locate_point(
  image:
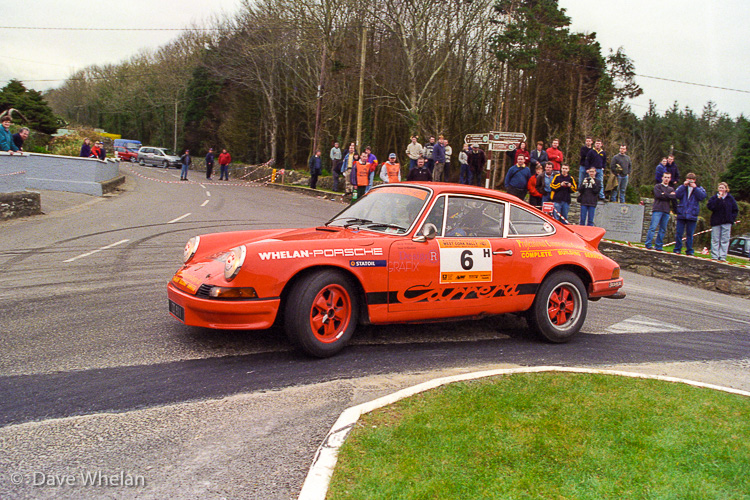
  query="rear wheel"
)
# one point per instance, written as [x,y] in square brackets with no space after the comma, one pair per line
[560,307]
[321,313]
[133,159]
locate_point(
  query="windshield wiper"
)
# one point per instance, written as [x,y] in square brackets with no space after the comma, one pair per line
[386,224]
[357,222]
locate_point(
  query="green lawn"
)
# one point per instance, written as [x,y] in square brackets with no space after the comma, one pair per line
[551,435]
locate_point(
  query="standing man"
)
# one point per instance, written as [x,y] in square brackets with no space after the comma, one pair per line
[390,172]
[336,161]
[597,158]
[360,177]
[689,195]
[663,195]
[427,154]
[316,168]
[539,155]
[588,196]
[563,186]
[555,155]
[420,172]
[413,151]
[347,165]
[20,137]
[549,174]
[438,156]
[582,162]
[209,163]
[186,161]
[671,167]
[621,167]
[477,161]
[224,160]
[517,178]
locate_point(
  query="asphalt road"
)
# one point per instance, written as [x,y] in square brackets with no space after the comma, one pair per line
[96,377]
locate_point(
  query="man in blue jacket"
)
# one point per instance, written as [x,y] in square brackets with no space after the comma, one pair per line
[597,158]
[689,195]
[517,178]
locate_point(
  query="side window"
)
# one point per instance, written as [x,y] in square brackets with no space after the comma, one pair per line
[437,214]
[474,217]
[525,223]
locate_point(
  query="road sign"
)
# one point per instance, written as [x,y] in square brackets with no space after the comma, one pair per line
[477,138]
[503,145]
[489,137]
[507,136]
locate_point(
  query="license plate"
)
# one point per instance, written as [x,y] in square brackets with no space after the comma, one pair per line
[177,310]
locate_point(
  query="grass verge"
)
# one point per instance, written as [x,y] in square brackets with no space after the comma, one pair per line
[551,435]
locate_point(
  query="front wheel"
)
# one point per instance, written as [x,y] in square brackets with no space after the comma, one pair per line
[559,308]
[133,159]
[141,162]
[321,313]
[165,164]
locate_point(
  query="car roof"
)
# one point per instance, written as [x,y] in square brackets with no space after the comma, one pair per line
[453,188]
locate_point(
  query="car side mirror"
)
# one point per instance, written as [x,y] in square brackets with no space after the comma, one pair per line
[429,231]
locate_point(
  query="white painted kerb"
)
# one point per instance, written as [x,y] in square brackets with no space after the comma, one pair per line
[319,476]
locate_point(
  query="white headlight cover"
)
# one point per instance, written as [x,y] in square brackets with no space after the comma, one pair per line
[190,248]
[233,264]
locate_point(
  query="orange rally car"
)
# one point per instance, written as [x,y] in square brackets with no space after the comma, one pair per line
[403,253]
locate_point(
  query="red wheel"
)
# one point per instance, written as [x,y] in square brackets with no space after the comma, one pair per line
[321,313]
[331,313]
[560,307]
[564,305]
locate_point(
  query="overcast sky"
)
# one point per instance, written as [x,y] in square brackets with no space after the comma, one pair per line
[686,40]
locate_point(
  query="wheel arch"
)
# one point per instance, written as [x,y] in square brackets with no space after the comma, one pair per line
[578,270]
[364,316]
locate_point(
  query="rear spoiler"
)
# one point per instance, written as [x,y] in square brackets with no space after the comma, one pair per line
[590,234]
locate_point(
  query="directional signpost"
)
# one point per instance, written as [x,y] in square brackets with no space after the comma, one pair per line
[498,142]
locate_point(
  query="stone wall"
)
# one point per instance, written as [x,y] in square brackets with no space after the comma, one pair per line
[19,204]
[61,173]
[690,271]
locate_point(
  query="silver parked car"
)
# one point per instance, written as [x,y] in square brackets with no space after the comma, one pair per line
[158,157]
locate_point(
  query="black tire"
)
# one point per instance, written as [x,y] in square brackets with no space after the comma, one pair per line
[141,162]
[165,164]
[311,303]
[560,307]
[133,159]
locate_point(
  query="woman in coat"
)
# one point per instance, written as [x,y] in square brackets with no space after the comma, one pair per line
[724,212]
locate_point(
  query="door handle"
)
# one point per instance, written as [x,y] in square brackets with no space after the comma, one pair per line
[502,252]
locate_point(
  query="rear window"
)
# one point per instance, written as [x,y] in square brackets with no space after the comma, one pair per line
[526,223]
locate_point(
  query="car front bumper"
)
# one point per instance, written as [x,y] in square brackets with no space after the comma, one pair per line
[253,314]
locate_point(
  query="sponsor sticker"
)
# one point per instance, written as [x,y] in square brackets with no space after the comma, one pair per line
[367,263]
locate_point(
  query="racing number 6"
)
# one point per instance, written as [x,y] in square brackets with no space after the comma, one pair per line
[466,260]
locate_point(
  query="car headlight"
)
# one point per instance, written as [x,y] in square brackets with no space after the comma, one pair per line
[190,248]
[233,264]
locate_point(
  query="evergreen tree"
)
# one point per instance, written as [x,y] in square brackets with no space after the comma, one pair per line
[738,171]
[31,104]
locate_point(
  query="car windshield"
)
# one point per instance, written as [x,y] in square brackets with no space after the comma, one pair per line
[167,152]
[390,209]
